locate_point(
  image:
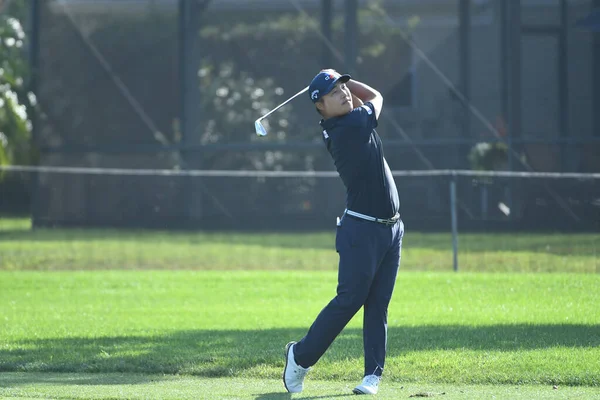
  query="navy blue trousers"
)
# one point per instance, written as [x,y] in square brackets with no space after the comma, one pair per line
[369,260]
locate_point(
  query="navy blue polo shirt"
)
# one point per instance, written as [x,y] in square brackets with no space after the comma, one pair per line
[357,153]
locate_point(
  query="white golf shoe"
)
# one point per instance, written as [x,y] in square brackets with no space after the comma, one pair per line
[293,374]
[369,385]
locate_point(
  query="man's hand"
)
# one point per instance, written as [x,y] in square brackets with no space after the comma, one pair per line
[330,70]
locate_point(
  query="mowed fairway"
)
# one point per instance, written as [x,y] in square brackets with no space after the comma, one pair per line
[77,249]
[185,330]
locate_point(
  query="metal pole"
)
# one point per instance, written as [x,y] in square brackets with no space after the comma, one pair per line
[182,45]
[484,201]
[514,85]
[34,46]
[563,79]
[504,76]
[34,66]
[464,44]
[326,17]
[190,97]
[505,83]
[454,222]
[351,35]
[189,58]
[596,78]
[514,71]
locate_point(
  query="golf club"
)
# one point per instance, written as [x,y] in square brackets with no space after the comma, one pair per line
[258,126]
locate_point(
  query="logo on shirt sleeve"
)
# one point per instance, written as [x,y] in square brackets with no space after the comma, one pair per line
[325,135]
[369,111]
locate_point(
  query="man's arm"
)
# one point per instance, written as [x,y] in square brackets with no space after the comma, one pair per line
[356,102]
[366,93]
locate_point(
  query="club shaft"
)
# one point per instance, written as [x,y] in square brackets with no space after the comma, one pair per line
[284,103]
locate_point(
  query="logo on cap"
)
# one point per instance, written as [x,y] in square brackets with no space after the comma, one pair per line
[314,94]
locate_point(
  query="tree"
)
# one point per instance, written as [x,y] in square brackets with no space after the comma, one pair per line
[16,102]
[252,65]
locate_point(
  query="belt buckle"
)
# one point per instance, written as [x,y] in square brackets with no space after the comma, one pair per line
[393,220]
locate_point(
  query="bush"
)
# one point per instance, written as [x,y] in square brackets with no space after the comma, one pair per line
[16,103]
[486,156]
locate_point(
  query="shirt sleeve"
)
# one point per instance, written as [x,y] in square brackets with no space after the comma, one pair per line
[369,108]
[363,117]
[354,128]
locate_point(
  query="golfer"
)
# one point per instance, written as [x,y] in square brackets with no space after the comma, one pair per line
[369,233]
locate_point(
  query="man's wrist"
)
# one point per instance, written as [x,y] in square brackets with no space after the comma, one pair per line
[358,89]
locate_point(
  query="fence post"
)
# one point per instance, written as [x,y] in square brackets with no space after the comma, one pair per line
[33,85]
[351,34]
[454,221]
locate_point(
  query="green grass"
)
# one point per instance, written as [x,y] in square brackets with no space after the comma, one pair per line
[75,249]
[135,386]
[106,314]
[443,327]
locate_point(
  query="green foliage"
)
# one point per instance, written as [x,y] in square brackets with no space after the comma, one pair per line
[486,156]
[232,99]
[253,60]
[243,75]
[16,102]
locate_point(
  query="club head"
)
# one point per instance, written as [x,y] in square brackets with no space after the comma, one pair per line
[260,129]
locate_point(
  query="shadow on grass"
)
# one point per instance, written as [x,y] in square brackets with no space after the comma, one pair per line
[315,240]
[274,396]
[20,379]
[213,353]
[288,396]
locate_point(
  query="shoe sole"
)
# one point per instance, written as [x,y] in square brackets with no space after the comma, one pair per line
[286,352]
[356,390]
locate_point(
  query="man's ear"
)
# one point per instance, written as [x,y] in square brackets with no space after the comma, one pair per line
[320,105]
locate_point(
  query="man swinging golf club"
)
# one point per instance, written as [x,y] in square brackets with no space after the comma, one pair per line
[369,233]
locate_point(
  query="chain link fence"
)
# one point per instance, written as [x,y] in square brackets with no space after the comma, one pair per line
[176,85]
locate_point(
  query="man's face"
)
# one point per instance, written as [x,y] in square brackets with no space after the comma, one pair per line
[337,102]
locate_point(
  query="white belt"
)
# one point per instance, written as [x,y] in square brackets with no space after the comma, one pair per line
[390,221]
